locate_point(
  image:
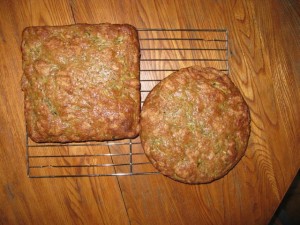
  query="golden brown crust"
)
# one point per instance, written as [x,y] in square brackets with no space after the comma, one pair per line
[81,82]
[195,125]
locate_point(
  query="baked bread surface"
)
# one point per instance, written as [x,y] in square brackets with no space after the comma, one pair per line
[195,125]
[81,82]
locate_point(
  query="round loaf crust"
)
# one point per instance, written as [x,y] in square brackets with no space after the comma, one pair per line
[195,125]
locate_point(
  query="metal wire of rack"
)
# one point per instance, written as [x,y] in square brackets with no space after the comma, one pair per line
[163,51]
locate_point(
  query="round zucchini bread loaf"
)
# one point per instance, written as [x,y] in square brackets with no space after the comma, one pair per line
[195,125]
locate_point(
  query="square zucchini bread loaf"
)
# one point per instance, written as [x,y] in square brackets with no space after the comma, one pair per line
[81,82]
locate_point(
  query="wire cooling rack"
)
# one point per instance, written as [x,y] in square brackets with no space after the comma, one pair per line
[163,51]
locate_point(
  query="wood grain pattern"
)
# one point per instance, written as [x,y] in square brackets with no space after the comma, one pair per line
[264,64]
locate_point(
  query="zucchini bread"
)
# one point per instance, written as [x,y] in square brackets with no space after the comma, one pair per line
[81,82]
[195,125]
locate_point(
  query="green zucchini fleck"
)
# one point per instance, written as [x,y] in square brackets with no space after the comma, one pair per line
[217,148]
[51,107]
[119,40]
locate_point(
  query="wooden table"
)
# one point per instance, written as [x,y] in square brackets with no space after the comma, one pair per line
[264,64]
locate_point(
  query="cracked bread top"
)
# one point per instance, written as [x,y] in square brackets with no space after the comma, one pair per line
[195,125]
[81,82]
